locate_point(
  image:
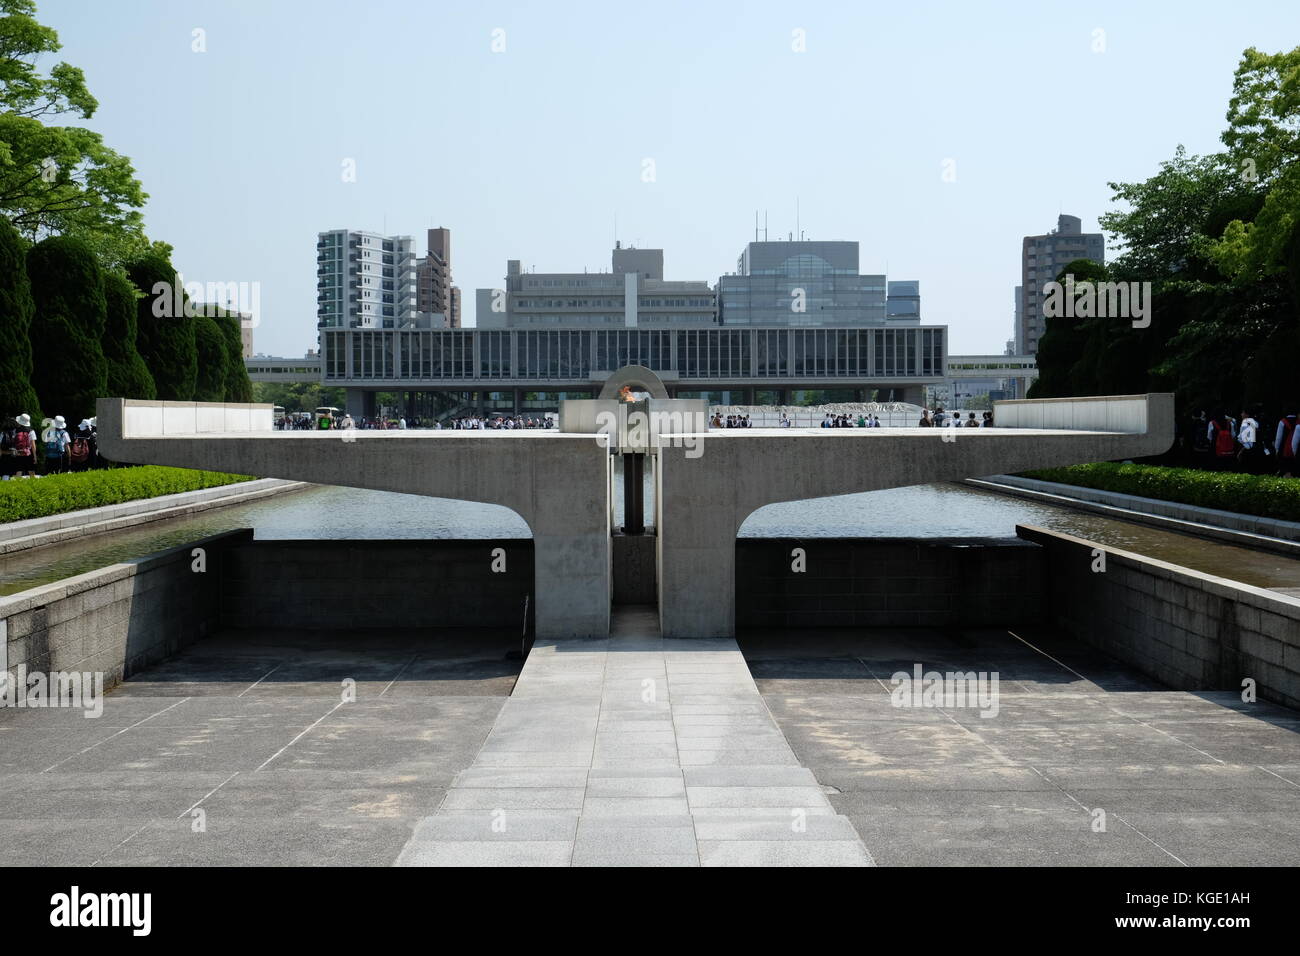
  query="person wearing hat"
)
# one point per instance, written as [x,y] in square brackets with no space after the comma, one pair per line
[56,440]
[18,446]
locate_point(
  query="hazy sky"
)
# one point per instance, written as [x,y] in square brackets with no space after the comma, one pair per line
[531,153]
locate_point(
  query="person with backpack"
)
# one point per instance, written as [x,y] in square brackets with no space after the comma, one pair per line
[57,442]
[1247,437]
[1223,440]
[19,448]
[1284,445]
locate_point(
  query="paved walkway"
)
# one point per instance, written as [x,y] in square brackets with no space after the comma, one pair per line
[635,751]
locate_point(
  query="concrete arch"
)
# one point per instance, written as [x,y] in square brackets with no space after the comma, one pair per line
[636,376]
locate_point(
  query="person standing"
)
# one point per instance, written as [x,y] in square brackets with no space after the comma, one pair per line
[1284,445]
[56,441]
[24,450]
[1247,436]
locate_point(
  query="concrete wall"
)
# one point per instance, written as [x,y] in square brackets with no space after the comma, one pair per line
[145,419]
[634,569]
[879,582]
[1190,630]
[1111,413]
[377,584]
[117,620]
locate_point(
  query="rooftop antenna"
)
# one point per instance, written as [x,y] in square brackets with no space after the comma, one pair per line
[756,225]
[796,217]
[765,225]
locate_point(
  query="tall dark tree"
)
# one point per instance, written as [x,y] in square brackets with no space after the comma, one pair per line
[239,388]
[16,392]
[165,336]
[128,376]
[210,347]
[70,371]
[1063,342]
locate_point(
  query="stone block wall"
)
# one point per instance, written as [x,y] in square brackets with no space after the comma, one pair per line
[1190,630]
[887,582]
[117,620]
[376,584]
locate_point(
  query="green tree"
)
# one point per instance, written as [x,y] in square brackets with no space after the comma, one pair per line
[238,386]
[58,179]
[165,336]
[16,392]
[210,350]
[1063,341]
[298,396]
[1263,140]
[70,371]
[128,376]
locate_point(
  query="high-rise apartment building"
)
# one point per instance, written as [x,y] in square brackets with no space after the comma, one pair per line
[435,292]
[366,281]
[807,283]
[1041,260]
[633,294]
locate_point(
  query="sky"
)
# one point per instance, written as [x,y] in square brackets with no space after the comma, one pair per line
[936,135]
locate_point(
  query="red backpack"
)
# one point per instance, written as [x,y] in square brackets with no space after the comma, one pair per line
[1288,427]
[1224,445]
[23,443]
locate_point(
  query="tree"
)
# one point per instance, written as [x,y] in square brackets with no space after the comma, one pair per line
[210,350]
[58,179]
[128,376]
[238,386]
[1063,342]
[1263,140]
[16,392]
[165,337]
[70,371]
[298,396]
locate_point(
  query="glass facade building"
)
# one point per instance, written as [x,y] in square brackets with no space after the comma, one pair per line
[806,283]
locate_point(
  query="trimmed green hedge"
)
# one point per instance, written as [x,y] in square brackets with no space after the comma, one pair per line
[55,494]
[1261,495]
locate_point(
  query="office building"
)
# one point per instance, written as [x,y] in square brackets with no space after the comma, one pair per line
[1041,260]
[633,294]
[807,283]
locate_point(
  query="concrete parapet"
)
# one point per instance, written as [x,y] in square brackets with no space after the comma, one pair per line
[1185,628]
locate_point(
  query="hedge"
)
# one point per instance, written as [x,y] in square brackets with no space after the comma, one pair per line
[24,498]
[1262,495]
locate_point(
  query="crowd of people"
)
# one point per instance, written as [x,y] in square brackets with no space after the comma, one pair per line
[1248,442]
[26,453]
[941,419]
[305,421]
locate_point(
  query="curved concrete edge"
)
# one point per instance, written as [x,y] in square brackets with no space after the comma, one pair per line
[54,529]
[1267,534]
